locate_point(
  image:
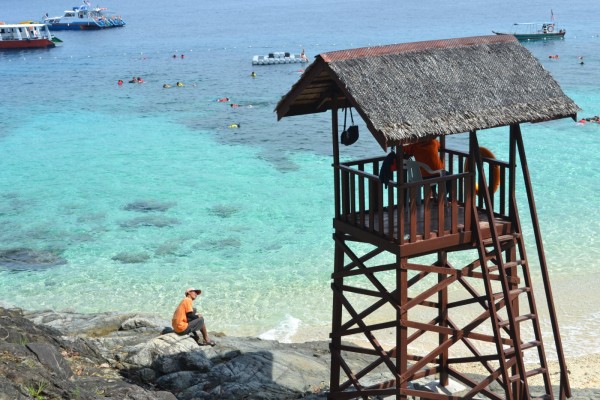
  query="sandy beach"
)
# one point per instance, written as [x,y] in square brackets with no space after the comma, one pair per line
[583,373]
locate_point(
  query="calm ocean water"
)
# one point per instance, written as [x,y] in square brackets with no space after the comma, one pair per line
[245,214]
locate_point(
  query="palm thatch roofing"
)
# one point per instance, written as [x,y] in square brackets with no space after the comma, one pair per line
[406,92]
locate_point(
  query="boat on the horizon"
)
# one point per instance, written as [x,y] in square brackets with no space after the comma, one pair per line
[26,35]
[279,57]
[84,17]
[535,31]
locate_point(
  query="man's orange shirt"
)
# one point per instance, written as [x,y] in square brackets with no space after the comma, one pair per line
[179,321]
[428,153]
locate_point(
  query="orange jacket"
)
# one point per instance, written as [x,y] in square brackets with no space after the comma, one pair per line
[179,321]
[427,152]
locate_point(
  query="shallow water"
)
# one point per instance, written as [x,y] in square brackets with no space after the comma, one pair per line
[145,191]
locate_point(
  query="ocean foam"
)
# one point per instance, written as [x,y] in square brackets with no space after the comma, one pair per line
[284,332]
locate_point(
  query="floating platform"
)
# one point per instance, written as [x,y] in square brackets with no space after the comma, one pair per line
[279,57]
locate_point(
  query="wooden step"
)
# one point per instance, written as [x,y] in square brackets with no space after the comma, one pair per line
[512,293]
[521,318]
[528,374]
[501,239]
[508,265]
[510,352]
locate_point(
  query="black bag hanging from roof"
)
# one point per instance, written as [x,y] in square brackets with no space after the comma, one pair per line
[349,136]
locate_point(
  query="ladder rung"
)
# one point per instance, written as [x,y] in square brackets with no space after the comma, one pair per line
[510,352]
[521,318]
[528,374]
[507,265]
[512,293]
[501,238]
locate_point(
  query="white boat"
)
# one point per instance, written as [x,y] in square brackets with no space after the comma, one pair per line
[279,57]
[26,35]
[535,31]
[525,31]
[84,17]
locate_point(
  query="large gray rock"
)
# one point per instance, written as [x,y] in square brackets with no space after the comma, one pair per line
[49,356]
[145,354]
[179,381]
[132,346]
[97,325]
[38,360]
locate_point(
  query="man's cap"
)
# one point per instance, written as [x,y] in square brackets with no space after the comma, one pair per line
[198,291]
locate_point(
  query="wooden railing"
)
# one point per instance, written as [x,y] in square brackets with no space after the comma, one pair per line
[395,212]
[495,170]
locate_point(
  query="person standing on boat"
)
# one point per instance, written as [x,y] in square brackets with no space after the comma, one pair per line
[303,56]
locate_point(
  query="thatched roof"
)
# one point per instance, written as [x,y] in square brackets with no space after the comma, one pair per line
[405,92]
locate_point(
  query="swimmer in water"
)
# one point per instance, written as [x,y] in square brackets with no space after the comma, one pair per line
[166,86]
[233,126]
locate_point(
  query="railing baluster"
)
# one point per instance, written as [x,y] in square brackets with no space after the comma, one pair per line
[503,209]
[390,207]
[353,199]
[361,195]
[441,196]
[413,214]
[345,202]
[426,212]
[401,196]
[454,207]
[380,209]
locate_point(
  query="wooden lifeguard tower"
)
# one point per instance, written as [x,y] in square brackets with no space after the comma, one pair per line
[395,283]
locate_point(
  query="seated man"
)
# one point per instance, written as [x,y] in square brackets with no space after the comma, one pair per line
[186,321]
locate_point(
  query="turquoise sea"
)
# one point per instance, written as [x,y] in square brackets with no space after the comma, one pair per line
[118,198]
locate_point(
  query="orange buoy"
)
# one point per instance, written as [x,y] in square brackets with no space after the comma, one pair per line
[484,152]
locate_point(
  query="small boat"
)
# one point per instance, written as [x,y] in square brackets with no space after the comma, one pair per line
[26,35]
[536,31]
[84,17]
[279,57]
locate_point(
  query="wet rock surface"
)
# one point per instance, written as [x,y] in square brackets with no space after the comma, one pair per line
[135,356]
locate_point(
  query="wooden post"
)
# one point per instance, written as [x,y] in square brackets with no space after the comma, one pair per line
[336,319]
[511,253]
[401,329]
[338,262]
[443,316]
[336,152]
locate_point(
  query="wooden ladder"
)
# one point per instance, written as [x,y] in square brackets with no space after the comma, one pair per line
[497,255]
[504,255]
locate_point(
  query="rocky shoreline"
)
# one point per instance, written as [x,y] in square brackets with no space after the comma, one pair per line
[60,355]
[51,355]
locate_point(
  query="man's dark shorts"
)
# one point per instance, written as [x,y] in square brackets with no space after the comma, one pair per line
[194,325]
